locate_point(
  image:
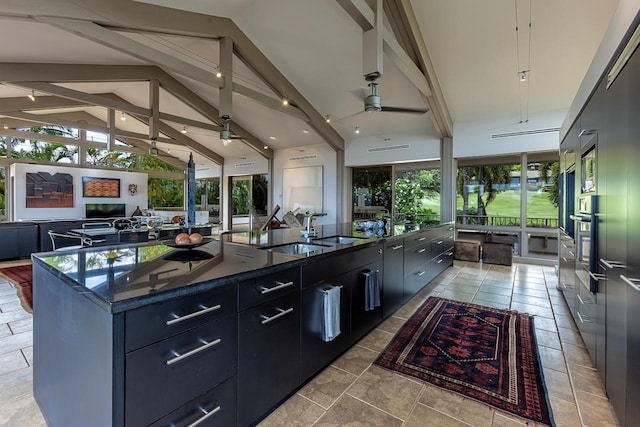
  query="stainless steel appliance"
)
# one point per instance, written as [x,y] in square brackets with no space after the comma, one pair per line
[586,223]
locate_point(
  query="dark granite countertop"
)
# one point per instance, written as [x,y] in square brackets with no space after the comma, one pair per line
[124,277]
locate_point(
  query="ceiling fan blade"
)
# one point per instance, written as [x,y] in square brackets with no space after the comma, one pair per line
[243,137]
[405,110]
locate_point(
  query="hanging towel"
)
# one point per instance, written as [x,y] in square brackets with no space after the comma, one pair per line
[330,313]
[371,290]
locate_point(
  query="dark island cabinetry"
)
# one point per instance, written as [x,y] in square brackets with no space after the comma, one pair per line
[348,274]
[268,343]
[138,337]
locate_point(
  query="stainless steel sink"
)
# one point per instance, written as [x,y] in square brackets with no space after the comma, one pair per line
[343,240]
[296,248]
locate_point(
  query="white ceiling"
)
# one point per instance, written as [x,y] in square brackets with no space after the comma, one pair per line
[317,46]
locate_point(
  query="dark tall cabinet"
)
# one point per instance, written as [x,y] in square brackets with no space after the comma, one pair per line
[608,314]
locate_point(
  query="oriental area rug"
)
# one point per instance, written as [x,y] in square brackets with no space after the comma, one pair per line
[483,353]
[22,277]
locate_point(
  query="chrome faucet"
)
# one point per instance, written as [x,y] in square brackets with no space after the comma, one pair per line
[309,230]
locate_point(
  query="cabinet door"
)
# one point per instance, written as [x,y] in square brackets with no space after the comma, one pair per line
[614,143]
[392,285]
[364,316]
[315,352]
[268,356]
[633,254]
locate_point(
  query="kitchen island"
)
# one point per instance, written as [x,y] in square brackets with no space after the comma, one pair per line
[220,334]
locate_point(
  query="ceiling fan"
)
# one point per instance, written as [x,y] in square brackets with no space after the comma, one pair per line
[225,134]
[373,102]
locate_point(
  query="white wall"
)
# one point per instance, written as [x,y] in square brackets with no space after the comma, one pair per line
[18,174]
[473,139]
[421,148]
[318,155]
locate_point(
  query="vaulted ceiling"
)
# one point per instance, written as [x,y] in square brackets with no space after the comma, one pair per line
[91,60]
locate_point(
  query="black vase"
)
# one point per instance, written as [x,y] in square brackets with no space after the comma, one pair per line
[137,212]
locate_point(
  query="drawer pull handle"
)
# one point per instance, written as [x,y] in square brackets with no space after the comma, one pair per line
[396,247]
[205,416]
[580,299]
[421,250]
[597,277]
[420,273]
[439,242]
[583,302]
[178,357]
[612,264]
[205,310]
[631,282]
[572,254]
[440,260]
[280,285]
[420,239]
[449,253]
[584,319]
[281,312]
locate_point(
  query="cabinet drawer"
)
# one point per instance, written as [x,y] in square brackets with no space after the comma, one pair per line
[170,373]
[340,263]
[156,322]
[256,291]
[217,407]
[440,263]
[416,280]
[438,246]
[419,238]
[416,256]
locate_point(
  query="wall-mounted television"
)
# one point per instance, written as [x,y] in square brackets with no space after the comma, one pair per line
[105,210]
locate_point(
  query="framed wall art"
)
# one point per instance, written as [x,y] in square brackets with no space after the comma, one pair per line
[100,187]
[302,188]
[45,190]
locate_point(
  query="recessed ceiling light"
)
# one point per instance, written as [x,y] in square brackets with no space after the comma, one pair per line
[273,138]
[6,126]
[285,102]
[305,131]
[265,146]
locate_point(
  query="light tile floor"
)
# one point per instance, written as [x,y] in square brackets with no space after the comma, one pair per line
[354,392]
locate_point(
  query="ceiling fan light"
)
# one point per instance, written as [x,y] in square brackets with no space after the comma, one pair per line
[32,95]
[226,141]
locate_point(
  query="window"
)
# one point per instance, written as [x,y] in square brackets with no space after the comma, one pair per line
[489,195]
[371,192]
[417,196]
[542,195]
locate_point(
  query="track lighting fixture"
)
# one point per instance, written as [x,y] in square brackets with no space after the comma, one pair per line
[32,95]
[356,130]
[184,130]
[285,102]
[328,118]
[523,76]
[123,117]
[218,72]
[5,126]
[265,146]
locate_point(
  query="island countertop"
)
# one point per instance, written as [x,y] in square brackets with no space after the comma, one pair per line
[123,277]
